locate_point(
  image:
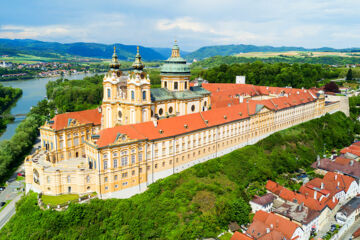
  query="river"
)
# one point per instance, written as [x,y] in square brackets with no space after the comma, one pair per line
[34,90]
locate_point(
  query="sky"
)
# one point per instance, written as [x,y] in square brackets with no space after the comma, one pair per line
[193,23]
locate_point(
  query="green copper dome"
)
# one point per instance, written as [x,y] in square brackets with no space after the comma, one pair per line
[175,65]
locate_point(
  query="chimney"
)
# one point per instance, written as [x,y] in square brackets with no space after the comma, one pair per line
[338,183]
[300,208]
[241,99]
[335,176]
[351,162]
[271,226]
[155,123]
[322,185]
[267,230]
[333,199]
[315,195]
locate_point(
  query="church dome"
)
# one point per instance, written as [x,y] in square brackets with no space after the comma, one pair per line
[175,65]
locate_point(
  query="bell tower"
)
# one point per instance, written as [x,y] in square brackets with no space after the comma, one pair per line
[112,83]
[138,91]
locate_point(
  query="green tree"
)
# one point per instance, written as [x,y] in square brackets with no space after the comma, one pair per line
[349,75]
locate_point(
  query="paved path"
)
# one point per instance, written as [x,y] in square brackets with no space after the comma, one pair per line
[8,211]
[13,192]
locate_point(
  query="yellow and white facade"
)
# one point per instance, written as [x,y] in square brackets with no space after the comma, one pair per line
[130,144]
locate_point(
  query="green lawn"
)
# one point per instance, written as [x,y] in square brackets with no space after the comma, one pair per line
[226,236]
[55,200]
[20,178]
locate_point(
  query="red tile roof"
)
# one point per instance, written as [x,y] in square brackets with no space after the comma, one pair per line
[218,115]
[61,121]
[342,181]
[240,236]
[305,196]
[356,233]
[341,164]
[271,226]
[353,149]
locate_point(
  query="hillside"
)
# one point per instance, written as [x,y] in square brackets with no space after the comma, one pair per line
[229,50]
[198,202]
[54,49]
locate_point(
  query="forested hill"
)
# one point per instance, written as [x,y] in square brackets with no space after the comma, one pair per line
[228,50]
[196,203]
[96,50]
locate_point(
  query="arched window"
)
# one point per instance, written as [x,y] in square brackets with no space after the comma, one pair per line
[175,85]
[144,95]
[108,93]
[132,95]
[68,179]
[165,84]
[87,178]
[185,85]
[48,179]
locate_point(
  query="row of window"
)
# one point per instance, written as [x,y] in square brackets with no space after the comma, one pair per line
[124,161]
[132,93]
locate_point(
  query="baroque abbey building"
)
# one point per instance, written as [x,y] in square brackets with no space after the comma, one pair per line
[139,135]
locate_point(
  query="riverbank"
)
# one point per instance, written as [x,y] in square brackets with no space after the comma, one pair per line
[34,90]
[8,99]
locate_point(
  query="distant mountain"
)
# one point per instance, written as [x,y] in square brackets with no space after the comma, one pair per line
[166,52]
[228,50]
[95,50]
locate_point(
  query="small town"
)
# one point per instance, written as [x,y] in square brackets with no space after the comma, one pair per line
[327,206]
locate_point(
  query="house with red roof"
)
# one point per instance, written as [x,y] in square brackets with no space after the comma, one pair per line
[309,198]
[270,226]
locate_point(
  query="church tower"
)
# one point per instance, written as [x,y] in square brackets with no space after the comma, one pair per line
[175,73]
[126,97]
[139,96]
[112,83]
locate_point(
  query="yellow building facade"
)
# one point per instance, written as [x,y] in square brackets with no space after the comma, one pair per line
[128,143]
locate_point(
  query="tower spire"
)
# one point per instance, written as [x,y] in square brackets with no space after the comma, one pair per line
[115,65]
[175,52]
[138,64]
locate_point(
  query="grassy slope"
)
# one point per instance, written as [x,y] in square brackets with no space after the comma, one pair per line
[194,203]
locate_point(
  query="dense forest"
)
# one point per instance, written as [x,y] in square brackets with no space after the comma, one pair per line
[198,202]
[327,60]
[8,96]
[271,74]
[75,95]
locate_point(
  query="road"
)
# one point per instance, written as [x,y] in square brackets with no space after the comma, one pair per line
[13,192]
[8,211]
[348,234]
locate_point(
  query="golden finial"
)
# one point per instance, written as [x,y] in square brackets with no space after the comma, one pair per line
[137,49]
[114,48]
[175,42]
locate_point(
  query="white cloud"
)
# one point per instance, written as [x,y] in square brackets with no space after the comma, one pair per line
[12,31]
